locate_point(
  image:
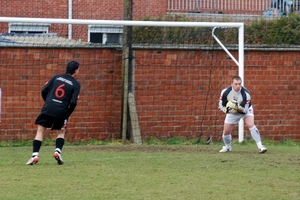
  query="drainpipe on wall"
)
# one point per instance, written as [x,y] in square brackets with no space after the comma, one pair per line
[70,17]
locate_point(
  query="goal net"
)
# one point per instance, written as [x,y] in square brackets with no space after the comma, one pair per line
[166,85]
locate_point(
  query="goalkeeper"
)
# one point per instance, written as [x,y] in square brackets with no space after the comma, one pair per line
[235,102]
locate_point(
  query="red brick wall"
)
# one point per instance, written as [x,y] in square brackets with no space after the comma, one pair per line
[113,10]
[25,71]
[176,91]
[180,92]
[143,8]
[82,9]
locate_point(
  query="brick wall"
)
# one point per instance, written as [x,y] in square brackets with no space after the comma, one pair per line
[25,71]
[179,99]
[82,9]
[176,91]
[113,10]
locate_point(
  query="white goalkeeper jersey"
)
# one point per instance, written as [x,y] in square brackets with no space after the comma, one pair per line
[243,98]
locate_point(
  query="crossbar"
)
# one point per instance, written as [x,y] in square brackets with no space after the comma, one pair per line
[121,22]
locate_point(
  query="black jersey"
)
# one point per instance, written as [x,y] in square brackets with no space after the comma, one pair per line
[59,93]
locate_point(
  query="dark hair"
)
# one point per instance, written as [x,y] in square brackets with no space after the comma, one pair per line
[236,77]
[71,67]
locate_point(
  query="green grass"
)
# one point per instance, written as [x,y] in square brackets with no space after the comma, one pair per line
[155,170]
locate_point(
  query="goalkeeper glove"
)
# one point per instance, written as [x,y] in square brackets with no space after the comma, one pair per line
[224,110]
[233,104]
[240,109]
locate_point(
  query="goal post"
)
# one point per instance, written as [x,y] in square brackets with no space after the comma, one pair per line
[121,23]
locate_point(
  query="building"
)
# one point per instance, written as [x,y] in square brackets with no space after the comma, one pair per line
[113,10]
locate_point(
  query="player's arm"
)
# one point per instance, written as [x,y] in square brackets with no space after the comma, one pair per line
[223,102]
[73,103]
[72,108]
[244,106]
[44,93]
[46,89]
[241,109]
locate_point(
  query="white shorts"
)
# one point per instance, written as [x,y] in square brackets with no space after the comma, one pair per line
[235,118]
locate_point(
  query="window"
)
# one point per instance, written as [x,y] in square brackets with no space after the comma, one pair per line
[28,28]
[105,34]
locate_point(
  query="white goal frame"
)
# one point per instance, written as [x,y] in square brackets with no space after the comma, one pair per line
[239,62]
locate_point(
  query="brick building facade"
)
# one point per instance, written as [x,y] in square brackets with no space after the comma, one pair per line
[113,10]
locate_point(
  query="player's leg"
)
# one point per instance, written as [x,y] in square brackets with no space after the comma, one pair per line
[249,121]
[43,122]
[230,121]
[37,143]
[61,126]
[227,137]
[59,143]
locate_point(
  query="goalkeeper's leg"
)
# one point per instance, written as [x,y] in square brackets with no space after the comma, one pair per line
[227,141]
[249,120]
[229,123]
[227,137]
[255,135]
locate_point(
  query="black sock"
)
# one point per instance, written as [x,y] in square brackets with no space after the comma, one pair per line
[36,145]
[60,143]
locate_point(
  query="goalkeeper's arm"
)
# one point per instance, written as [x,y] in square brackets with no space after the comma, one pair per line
[224,110]
[222,103]
[244,107]
[240,109]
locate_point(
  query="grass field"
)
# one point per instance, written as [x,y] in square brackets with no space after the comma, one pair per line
[115,171]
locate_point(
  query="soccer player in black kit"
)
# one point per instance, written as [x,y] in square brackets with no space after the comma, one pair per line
[60,95]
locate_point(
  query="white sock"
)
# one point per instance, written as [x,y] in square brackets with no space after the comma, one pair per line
[259,144]
[58,150]
[255,135]
[35,154]
[227,140]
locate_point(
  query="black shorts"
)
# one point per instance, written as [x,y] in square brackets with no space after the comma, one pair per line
[51,122]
